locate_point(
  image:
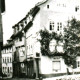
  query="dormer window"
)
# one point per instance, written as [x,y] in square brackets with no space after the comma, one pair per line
[51,25]
[18,28]
[22,24]
[28,19]
[14,30]
[25,22]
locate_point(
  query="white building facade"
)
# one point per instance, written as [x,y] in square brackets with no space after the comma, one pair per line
[7,66]
[53,16]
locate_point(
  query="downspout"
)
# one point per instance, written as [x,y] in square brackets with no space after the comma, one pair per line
[25,44]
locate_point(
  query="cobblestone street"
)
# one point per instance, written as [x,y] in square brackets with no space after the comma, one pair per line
[65,77]
[18,79]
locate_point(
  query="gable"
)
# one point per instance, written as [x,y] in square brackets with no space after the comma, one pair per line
[60,5]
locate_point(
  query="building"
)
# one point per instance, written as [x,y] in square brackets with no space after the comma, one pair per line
[20,63]
[28,59]
[2,10]
[51,15]
[7,66]
[19,56]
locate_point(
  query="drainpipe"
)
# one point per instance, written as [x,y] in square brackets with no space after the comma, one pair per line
[25,44]
[37,68]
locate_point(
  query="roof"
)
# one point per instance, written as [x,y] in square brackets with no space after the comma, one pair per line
[32,12]
[19,34]
[19,22]
[8,45]
[42,2]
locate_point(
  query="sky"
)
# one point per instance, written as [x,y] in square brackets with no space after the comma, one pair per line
[15,10]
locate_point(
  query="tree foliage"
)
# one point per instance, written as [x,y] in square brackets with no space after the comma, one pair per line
[72,41]
[46,37]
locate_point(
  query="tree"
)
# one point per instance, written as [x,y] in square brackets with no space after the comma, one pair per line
[72,41]
[46,37]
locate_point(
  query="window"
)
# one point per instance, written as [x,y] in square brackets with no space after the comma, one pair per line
[20,38]
[3,69]
[47,6]
[22,25]
[25,22]
[78,63]
[17,28]
[56,65]
[10,69]
[76,8]
[14,30]
[59,47]
[11,49]
[6,50]
[52,45]
[59,26]
[3,60]
[51,25]
[10,60]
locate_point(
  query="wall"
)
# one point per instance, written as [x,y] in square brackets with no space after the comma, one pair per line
[7,64]
[46,65]
[60,11]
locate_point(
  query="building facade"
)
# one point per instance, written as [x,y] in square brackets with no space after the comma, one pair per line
[7,66]
[28,60]
[19,57]
[51,15]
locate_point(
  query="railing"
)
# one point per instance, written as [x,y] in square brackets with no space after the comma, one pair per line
[66,77]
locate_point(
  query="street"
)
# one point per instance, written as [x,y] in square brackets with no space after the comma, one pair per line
[17,79]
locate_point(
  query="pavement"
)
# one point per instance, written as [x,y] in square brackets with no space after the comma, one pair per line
[17,79]
[65,77]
